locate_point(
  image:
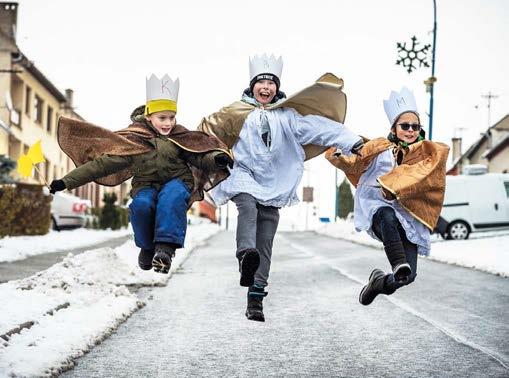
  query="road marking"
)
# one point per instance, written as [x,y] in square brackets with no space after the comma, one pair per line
[459,339]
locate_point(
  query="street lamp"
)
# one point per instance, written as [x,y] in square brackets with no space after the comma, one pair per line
[407,57]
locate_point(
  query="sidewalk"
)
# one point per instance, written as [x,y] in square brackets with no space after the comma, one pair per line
[484,251]
[19,269]
[13,248]
[51,318]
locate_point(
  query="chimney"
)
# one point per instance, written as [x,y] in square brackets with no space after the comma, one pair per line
[69,94]
[456,148]
[9,19]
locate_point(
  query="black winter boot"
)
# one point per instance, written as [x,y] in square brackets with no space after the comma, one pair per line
[249,261]
[374,287]
[162,258]
[254,310]
[396,254]
[145,258]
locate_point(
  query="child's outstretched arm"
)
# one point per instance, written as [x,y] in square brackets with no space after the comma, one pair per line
[314,129]
[102,166]
[209,161]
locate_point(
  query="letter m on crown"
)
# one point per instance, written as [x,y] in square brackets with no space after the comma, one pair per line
[400,101]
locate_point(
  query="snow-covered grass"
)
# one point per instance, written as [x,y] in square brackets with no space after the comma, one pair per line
[49,319]
[20,247]
[486,251]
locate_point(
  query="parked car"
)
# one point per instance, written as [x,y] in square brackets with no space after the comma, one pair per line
[475,202]
[68,211]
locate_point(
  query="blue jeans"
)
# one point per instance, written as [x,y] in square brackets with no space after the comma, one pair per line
[387,228]
[160,216]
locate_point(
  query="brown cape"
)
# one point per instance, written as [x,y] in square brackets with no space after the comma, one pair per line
[418,182]
[83,142]
[325,97]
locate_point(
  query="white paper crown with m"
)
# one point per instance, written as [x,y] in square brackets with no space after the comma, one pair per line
[399,103]
[260,64]
[162,94]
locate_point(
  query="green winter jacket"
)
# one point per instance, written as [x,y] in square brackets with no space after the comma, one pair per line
[165,162]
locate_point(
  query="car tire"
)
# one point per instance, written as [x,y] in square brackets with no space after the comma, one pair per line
[458,230]
[54,224]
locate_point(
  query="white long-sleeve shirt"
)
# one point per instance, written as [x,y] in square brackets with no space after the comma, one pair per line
[369,198]
[272,174]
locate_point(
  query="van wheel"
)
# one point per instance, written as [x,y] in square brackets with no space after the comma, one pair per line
[54,224]
[458,230]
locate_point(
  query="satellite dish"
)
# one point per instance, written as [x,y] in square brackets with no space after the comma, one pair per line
[8,100]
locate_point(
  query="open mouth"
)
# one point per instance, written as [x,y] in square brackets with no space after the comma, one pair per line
[265,95]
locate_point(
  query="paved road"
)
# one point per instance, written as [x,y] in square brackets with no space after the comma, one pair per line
[16,270]
[452,322]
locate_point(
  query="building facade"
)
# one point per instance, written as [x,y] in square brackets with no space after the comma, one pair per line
[30,106]
[491,150]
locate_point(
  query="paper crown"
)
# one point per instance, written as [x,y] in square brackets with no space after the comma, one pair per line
[399,103]
[162,94]
[260,64]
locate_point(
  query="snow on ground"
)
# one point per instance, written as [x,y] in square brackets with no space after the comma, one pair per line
[485,251]
[49,319]
[20,247]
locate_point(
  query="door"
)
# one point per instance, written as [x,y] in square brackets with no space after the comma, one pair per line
[489,201]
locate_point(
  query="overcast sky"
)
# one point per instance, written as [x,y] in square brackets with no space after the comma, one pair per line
[103,50]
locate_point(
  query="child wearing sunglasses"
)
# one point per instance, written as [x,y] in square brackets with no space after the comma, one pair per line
[400,184]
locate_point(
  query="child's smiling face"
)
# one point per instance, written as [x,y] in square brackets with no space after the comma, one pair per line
[264,91]
[163,121]
[408,121]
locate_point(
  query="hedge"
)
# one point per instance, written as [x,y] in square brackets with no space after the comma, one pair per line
[24,210]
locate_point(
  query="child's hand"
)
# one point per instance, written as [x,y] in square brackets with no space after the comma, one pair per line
[223,160]
[357,147]
[56,186]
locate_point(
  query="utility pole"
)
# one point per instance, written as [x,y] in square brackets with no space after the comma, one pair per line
[489,96]
[432,79]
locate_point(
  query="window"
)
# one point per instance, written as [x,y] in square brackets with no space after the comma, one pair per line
[38,105]
[506,184]
[49,119]
[28,96]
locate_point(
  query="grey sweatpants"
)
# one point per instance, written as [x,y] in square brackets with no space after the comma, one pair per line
[256,228]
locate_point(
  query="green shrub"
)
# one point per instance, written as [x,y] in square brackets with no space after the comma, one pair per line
[110,216]
[24,209]
[345,201]
[124,216]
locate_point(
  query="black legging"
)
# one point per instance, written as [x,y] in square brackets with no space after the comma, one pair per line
[397,247]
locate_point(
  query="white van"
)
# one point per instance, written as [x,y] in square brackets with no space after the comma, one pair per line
[475,202]
[68,211]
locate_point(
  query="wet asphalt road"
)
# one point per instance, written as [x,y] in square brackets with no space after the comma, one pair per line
[19,269]
[452,322]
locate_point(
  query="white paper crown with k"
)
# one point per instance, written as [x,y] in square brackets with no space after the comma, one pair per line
[260,64]
[162,89]
[399,103]
[162,94]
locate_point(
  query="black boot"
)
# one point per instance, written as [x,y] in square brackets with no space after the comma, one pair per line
[145,258]
[249,261]
[162,258]
[374,287]
[396,254]
[254,310]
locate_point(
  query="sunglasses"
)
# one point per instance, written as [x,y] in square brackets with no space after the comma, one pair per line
[406,126]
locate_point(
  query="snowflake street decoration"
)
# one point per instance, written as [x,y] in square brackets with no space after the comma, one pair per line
[407,56]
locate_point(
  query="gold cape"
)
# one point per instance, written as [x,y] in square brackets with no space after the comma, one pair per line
[325,97]
[418,182]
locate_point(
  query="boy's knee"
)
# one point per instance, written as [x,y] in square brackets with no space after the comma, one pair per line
[141,204]
[176,189]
